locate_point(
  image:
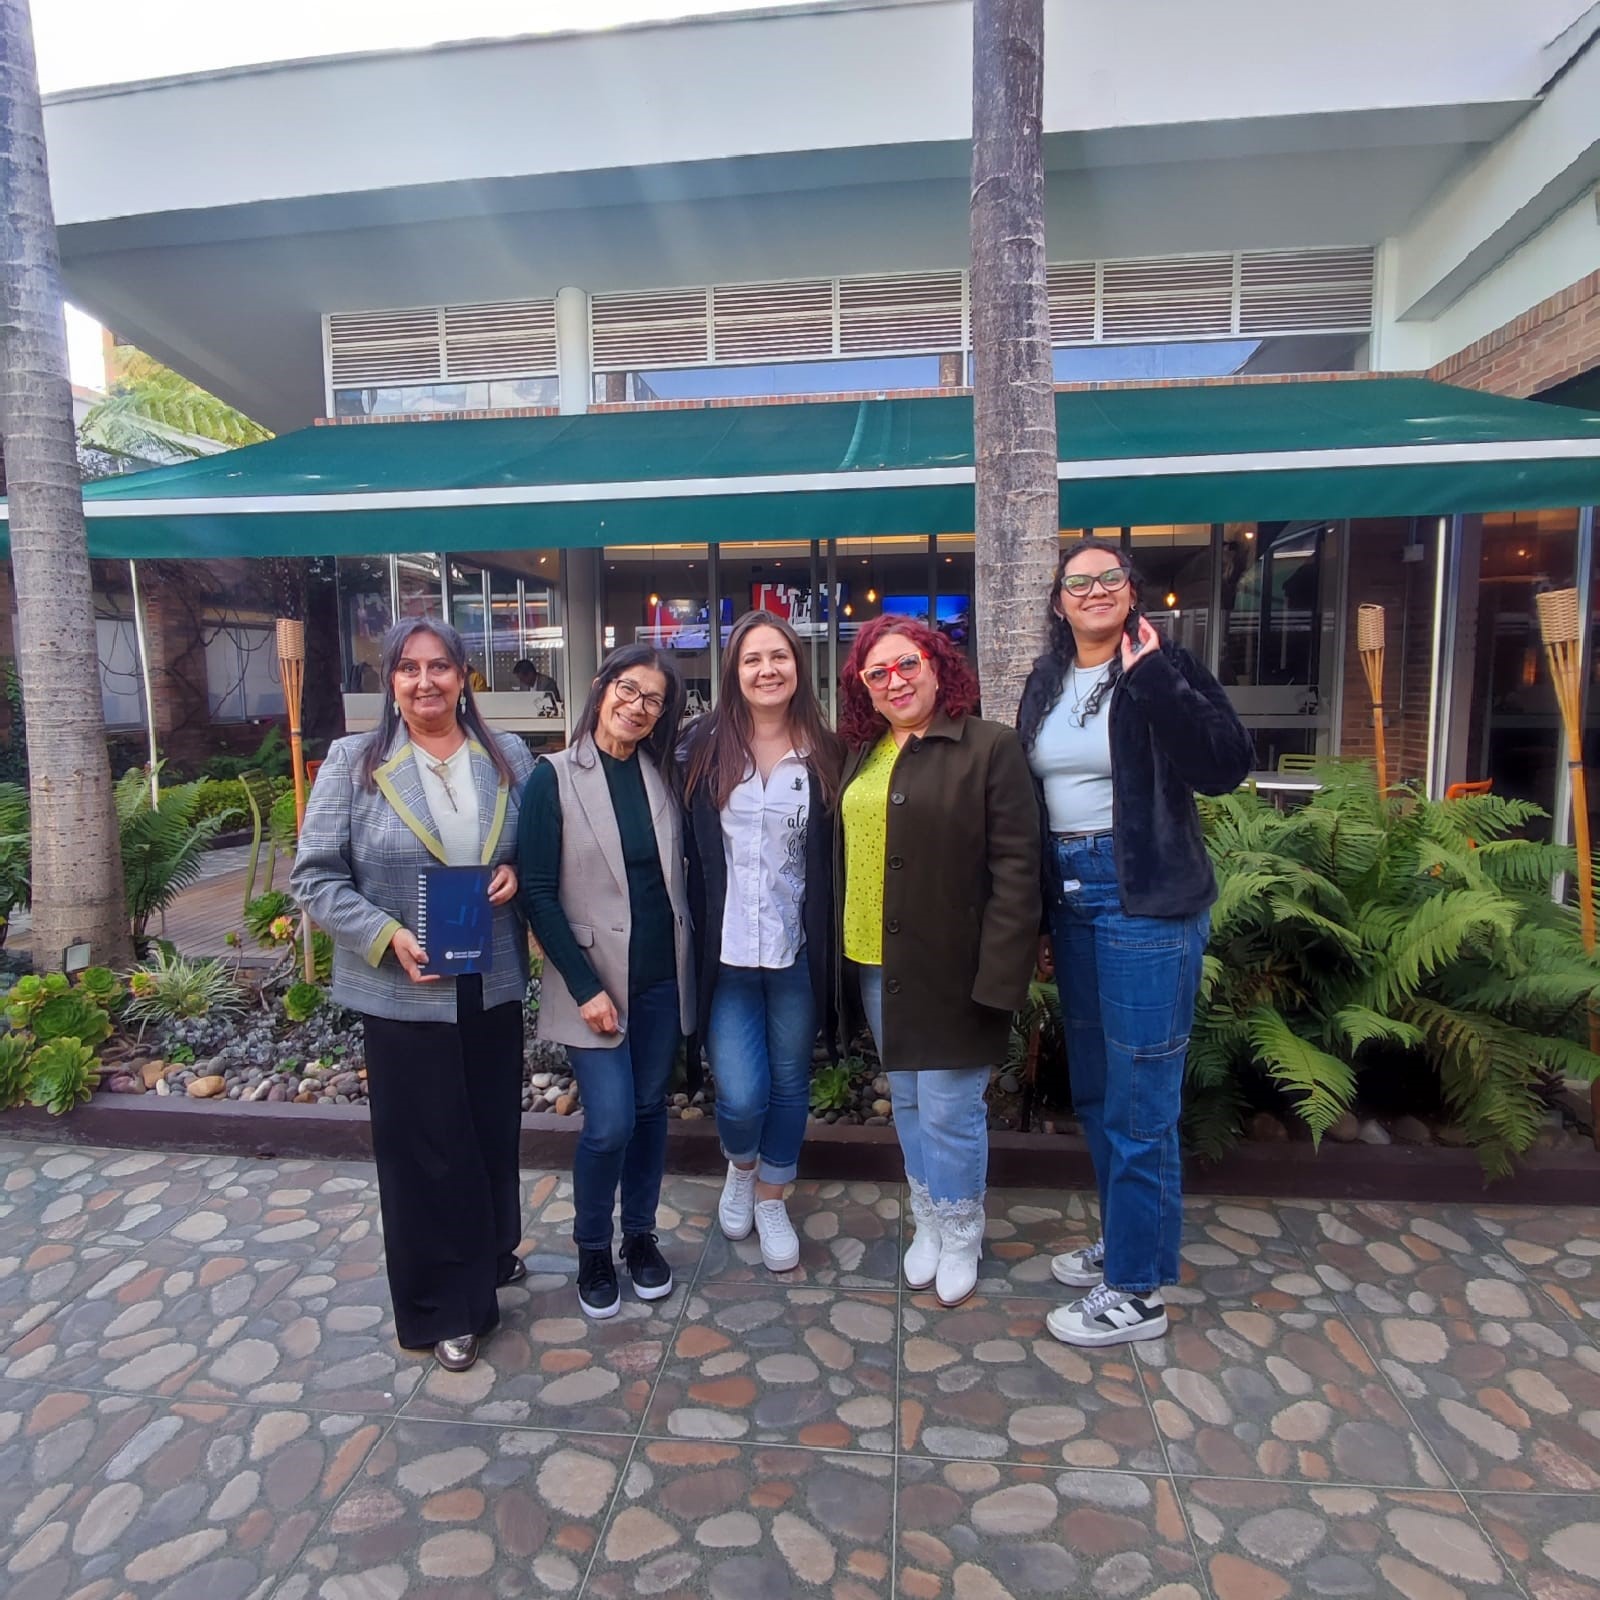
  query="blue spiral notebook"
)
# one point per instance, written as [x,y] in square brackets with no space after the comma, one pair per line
[455,922]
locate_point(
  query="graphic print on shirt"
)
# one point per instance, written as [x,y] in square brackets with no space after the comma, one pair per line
[792,874]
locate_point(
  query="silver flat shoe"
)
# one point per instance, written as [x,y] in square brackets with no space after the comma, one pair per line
[456,1355]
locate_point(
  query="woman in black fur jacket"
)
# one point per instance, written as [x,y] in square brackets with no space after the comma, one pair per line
[1122,728]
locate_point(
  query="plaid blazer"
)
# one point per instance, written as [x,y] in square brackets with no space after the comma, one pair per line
[356,873]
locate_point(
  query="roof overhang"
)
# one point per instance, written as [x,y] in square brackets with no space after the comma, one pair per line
[1332,449]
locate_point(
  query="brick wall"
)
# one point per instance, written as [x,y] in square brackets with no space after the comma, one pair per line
[1379,576]
[1550,343]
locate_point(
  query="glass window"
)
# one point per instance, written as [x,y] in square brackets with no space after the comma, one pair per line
[661,595]
[469,617]
[418,399]
[1277,583]
[1514,728]
[779,578]
[121,683]
[1210,358]
[418,584]
[365,615]
[526,627]
[872,374]
[242,678]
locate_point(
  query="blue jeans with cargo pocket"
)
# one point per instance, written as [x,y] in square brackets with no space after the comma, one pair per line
[1128,988]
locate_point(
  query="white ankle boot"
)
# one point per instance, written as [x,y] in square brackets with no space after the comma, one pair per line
[922,1259]
[960,1224]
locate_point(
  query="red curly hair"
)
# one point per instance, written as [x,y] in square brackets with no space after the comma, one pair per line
[859,724]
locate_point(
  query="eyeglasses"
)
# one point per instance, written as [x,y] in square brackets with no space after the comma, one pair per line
[1078,584]
[906,669]
[630,694]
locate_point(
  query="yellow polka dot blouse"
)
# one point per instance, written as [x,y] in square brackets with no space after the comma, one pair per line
[865,810]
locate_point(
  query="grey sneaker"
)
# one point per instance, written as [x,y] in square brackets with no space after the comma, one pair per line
[1081,1269]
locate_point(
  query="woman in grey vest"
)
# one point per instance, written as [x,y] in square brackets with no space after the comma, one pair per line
[600,853]
[431,786]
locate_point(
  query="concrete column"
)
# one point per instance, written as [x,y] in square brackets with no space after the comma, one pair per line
[572,351]
[582,576]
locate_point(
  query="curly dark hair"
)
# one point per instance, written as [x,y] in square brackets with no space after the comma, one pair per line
[859,724]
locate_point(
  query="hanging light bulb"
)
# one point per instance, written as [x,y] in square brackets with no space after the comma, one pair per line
[872,595]
[1172,600]
[849,610]
[655,599]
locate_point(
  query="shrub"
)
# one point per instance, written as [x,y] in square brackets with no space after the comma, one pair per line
[221,797]
[283,825]
[16,1050]
[1358,934]
[16,863]
[50,1007]
[271,757]
[71,1016]
[61,1073]
[300,1003]
[167,986]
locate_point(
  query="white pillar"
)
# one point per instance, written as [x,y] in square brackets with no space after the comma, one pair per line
[572,351]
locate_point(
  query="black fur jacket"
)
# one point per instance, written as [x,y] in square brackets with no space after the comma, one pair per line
[1173,732]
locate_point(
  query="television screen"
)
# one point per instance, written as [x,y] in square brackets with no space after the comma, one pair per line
[952,613]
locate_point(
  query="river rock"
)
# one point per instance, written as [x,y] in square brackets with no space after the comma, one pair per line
[1267,1129]
[1373,1132]
[208,1087]
[566,1105]
[1411,1130]
[1346,1130]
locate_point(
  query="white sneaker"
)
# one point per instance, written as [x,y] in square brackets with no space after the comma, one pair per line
[736,1209]
[780,1248]
[1081,1269]
[1109,1316]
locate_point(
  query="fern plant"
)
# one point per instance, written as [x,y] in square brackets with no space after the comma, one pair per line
[1360,930]
[163,847]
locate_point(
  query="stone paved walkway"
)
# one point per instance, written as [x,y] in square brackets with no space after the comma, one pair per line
[201,1399]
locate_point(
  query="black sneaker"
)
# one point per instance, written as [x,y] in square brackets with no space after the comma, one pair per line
[598,1293]
[652,1277]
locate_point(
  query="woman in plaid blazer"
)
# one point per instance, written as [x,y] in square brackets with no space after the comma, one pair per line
[432,785]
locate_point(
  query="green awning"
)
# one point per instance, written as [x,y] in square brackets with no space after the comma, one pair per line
[1325,449]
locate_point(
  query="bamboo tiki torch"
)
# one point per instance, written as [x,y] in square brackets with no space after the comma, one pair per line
[1559,623]
[1369,641]
[292,664]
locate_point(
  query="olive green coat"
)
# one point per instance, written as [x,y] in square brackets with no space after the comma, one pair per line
[960,896]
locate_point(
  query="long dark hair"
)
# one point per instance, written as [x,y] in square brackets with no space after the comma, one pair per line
[719,754]
[859,723]
[1049,674]
[661,739]
[376,749]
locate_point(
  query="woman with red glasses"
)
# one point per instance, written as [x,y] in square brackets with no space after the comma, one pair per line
[940,915]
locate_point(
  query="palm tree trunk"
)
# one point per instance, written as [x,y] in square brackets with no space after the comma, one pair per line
[77,866]
[1013,400]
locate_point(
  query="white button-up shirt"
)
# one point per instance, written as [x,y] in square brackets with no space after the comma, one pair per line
[764,848]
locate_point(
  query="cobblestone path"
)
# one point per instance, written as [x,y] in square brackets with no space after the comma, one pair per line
[201,1399]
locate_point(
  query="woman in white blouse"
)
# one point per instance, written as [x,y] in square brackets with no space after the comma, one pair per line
[761,783]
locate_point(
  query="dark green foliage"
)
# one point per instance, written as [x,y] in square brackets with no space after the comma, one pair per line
[14,753]
[168,986]
[263,911]
[163,848]
[272,757]
[831,1086]
[301,1001]
[71,1016]
[1355,933]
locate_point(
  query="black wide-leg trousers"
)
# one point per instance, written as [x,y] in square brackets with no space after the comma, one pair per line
[446,1106]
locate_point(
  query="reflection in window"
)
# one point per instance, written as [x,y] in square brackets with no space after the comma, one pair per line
[242,677]
[871,374]
[365,615]
[1208,358]
[661,595]
[424,399]
[121,682]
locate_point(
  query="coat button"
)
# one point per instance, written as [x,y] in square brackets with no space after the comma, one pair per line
[897,799]
[893,986]
[896,862]
[892,925]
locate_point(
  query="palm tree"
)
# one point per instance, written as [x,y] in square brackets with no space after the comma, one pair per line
[77,867]
[153,414]
[1013,397]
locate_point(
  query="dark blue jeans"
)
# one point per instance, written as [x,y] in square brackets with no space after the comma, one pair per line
[1128,987]
[763,1024]
[624,1138]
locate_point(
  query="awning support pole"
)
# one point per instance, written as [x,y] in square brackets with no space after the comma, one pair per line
[141,639]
